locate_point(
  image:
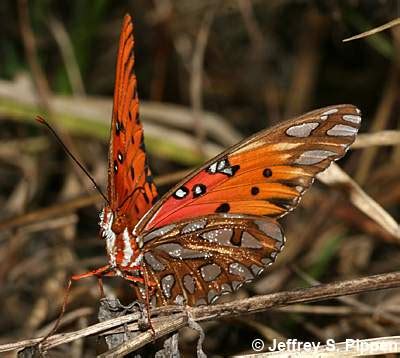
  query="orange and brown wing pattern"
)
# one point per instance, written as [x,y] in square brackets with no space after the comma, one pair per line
[130,184]
[264,175]
[199,260]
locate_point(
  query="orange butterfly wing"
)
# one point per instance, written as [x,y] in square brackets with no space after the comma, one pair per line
[217,228]
[130,185]
[264,175]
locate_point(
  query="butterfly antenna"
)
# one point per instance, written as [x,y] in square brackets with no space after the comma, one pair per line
[43,121]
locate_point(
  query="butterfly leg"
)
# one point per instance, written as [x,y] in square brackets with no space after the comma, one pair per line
[148,285]
[102,271]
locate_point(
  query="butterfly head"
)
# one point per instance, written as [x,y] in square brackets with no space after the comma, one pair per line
[121,242]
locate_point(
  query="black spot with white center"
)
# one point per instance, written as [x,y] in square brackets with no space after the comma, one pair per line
[254,190]
[267,172]
[198,189]
[224,167]
[181,193]
[223,208]
[118,127]
[115,166]
[120,157]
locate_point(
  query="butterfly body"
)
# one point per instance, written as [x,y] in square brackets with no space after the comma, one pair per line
[217,228]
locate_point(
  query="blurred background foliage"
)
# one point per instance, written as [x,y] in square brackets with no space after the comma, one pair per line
[209,73]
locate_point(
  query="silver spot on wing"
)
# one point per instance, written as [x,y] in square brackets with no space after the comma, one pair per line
[189,283]
[167,282]
[158,233]
[177,251]
[237,268]
[250,241]
[155,264]
[311,157]
[210,272]
[220,236]
[270,229]
[341,130]
[331,111]
[194,225]
[352,118]
[302,130]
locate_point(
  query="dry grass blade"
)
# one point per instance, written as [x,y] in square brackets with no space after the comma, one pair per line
[375,30]
[381,138]
[334,175]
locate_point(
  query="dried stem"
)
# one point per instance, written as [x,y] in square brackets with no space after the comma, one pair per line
[169,319]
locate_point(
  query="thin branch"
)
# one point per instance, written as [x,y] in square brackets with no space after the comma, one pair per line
[68,54]
[171,314]
[29,42]
[196,79]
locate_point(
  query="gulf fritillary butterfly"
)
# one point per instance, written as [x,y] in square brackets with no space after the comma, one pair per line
[218,227]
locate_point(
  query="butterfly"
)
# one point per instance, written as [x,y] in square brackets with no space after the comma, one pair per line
[217,228]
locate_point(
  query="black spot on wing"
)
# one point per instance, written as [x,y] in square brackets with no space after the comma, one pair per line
[254,190]
[267,172]
[223,208]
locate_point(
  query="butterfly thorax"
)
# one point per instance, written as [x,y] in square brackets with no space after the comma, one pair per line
[123,252]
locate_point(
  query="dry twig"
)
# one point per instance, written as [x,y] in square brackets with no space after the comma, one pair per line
[169,315]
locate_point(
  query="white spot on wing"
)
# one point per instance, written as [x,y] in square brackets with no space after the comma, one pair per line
[213,168]
[180,193]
